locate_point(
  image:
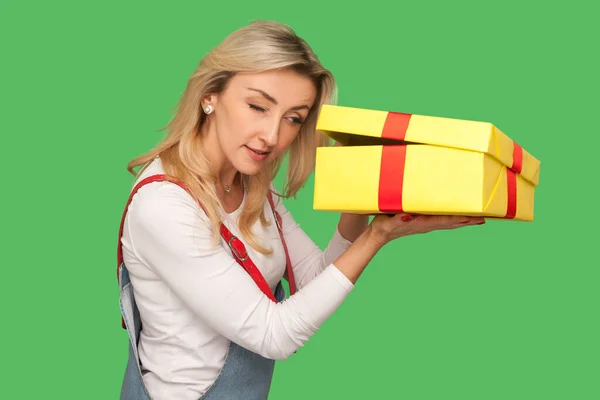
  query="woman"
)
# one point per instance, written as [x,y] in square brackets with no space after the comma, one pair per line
[204,244]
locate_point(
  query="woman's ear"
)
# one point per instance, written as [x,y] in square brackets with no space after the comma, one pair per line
[209,99]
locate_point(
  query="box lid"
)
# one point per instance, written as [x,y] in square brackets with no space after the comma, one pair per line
[359,126]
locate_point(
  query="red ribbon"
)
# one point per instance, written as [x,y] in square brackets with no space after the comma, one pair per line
[511,181]
[393,158]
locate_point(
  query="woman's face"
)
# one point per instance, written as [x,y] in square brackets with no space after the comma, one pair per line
[258,116]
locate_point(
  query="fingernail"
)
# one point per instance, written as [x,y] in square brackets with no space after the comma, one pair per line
[406,218]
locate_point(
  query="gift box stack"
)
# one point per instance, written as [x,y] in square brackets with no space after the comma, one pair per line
[392,162]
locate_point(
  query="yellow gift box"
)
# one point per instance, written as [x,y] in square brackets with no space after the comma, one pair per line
[397,162]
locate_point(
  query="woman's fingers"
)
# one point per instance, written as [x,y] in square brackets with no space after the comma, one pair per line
[438,222]
[421,222]
[451,222]
[390,227]
[402,219]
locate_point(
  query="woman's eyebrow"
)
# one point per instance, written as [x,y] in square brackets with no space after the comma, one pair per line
[272,99]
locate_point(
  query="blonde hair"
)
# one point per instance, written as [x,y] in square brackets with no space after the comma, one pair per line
[258,47]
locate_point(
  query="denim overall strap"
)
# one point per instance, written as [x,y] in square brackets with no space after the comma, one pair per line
[245,374]
[133,386]
[288,263]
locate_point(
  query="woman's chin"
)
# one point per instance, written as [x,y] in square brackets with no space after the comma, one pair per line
[251,165]
[250,168]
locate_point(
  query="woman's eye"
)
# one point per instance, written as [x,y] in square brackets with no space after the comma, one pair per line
[293,120]
[257,108]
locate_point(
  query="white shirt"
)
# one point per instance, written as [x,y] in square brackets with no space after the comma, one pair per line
[194,299]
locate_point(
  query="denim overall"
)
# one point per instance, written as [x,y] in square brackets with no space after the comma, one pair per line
[245,375]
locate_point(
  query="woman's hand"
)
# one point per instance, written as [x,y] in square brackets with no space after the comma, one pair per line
[385,228]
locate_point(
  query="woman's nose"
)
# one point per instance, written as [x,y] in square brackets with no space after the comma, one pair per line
[270,133]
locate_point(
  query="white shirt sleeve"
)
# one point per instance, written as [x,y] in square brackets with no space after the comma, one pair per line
[171,235]
[307,259]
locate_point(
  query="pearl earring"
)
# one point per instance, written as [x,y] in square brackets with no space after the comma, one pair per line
[208,109]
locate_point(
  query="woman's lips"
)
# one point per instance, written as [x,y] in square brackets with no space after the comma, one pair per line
[257,155]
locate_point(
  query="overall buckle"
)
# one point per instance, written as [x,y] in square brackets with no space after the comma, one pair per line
[235,251]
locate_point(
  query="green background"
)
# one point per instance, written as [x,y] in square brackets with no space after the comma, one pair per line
[507,310]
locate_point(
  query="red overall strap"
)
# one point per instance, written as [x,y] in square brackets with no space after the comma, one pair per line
[288,263]
[241,256]
[237,247]
[150,179]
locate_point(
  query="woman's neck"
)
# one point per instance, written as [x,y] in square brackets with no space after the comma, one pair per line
[223,169]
